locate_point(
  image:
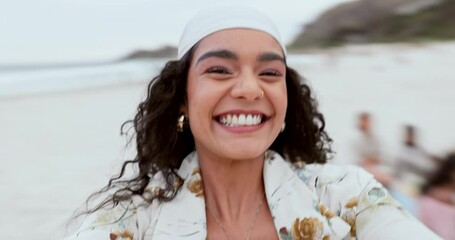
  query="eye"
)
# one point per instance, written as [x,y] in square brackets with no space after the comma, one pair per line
[271,73]
[218,70]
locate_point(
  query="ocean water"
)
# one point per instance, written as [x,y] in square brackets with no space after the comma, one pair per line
[25,81]
[60,126]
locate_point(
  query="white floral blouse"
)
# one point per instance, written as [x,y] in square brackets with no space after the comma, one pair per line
[307,202]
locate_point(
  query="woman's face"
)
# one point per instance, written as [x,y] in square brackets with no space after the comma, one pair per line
[237,94]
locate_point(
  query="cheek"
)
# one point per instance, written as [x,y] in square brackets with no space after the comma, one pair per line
[280,99]
[202,99]
[194,91]
[197,112]
[198,96]
[285,97]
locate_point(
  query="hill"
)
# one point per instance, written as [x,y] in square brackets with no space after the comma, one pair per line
[163,52]
[380,21]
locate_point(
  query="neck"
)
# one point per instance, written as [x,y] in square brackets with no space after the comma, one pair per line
[232,187]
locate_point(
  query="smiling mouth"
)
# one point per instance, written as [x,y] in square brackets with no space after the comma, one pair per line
[241,120]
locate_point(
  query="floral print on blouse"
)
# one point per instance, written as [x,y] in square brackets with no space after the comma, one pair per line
[307,202]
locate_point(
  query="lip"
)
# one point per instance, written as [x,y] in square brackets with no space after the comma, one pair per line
[242,129]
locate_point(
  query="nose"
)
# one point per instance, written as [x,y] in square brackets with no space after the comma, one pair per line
[247,87]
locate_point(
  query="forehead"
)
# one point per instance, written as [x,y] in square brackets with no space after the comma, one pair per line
[239,40]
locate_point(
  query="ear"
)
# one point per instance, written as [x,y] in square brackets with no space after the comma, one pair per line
[183,110]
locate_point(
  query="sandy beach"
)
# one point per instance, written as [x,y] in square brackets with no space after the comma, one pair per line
[57,148]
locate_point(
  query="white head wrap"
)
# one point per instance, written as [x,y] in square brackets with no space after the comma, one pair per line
[212,20]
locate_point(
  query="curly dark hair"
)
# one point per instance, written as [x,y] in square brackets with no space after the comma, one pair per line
[161,148]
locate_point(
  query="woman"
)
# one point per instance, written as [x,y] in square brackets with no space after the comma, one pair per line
[211,137]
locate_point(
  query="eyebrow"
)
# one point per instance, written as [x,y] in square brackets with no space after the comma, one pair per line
[223,53]
[270,56]
[219,54]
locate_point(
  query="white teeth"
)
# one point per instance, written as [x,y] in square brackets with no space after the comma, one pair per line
[249,120]
[235,121]
[240,120]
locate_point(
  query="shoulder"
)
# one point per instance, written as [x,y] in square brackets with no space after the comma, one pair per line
[342,187]
[118,221]
[338,186]
[128,220]
[323,175]
[353,194]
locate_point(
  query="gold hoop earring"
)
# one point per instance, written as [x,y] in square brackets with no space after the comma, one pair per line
[283,127]
[181,123]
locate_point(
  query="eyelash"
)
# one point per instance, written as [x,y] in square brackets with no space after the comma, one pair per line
[271,73]
[222,70]
[218,70]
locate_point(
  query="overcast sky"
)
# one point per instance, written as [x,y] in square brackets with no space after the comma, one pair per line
[52,31]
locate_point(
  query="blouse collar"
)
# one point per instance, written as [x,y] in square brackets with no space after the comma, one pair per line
[291,202]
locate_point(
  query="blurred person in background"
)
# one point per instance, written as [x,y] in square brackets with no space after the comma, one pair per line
[230,145]
[437,203]
[413,164]
[367,150]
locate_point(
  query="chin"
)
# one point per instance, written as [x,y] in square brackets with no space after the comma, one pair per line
[244,152]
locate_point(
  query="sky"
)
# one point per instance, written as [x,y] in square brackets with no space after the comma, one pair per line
[64,31]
